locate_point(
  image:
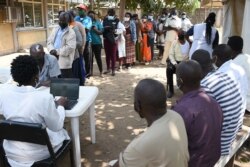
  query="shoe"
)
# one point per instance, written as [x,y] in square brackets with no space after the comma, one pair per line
[101,75]
[170,94]
[106,72]
[147,63]
[113,73]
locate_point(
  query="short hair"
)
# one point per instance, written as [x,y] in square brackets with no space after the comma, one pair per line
[223,52]
[190,72]
[23,69]
[65,15]
[152,93]
[36,48]
[128,13]
[91,12]
[111,12]
[236,43]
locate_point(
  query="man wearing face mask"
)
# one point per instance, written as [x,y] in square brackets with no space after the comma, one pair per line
[48,65]
[87,23]
[185,22]
[172,25]
[161,33]
[62,44]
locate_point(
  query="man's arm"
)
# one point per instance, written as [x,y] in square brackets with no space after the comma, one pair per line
[51,39]
[70,45]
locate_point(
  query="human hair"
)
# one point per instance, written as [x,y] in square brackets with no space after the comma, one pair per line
[181,35]
[91,12]
[111,12]
[222,52]
[236,43]
[67,16]
[151,93]
[135,16]
[210,20]
[23,69]
[72,15]
[190,73]
[35,49]
[128,13]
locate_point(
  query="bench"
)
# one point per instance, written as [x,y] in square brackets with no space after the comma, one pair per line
[241,137]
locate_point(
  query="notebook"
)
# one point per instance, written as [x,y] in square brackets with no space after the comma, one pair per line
[67,87]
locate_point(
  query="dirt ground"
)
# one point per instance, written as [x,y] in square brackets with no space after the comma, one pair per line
[116,121]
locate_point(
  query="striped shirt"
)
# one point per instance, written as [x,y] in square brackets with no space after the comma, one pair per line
[221,87]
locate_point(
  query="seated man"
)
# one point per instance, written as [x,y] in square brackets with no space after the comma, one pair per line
[224,90]
[202,116]
[164,143]
[24,103]
[48,65]
[241,59]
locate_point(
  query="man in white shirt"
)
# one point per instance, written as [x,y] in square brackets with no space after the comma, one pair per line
[178,52]
[164,143]
[24,103]
[185,22]
[236,43]
[173,24]
[222,59]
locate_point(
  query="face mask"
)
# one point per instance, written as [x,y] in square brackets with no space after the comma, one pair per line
[111,17]
[163,19]
[184,16]
[215,67]
[63,25]
[151,18]
[126,18]
[144,20]
[82,13]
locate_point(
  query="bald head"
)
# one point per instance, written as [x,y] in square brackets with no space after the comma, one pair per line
[203,58]
[221,54]
[189,75]
[36,50]
[150,94]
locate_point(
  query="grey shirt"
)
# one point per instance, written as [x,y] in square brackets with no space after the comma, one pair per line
[50,68]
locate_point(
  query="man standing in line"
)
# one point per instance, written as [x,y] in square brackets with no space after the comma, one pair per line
[87,23]
[62,44]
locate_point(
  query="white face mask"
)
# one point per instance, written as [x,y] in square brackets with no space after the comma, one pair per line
[215,67]
[184,16]
[126,18]
[111,17]
[163,18]
[144,20]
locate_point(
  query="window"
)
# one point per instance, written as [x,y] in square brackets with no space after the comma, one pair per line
[32,14]
[54,6]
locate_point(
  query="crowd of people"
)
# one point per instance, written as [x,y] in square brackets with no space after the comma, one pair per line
[195,132]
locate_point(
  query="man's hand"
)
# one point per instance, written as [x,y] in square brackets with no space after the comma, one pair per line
[62,101]
[53,52]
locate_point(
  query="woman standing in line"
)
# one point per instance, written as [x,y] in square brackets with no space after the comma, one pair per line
[146,26]
[130,39]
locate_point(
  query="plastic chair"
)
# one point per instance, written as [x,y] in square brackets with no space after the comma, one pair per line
[32,133]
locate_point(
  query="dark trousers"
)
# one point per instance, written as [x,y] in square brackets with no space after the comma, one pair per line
[110,51]
[87,59]
[66,73]
[170,71]
[96,50]
[151,43]
[78,70]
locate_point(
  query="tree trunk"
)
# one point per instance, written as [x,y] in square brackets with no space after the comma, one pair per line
[122,9]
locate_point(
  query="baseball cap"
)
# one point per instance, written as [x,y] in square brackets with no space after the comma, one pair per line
[82,6]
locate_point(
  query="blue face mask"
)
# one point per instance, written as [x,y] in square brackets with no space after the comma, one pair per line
[111,17]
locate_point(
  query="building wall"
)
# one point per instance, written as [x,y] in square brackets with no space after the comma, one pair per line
[6,40]
[27,38]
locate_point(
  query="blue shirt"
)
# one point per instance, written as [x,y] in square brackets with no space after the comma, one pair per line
[96,39]
[58,40]
[87,23]
[50,68]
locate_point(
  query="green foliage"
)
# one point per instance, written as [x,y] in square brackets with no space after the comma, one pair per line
[155,6]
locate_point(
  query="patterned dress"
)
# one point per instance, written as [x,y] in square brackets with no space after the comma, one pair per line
[130,45]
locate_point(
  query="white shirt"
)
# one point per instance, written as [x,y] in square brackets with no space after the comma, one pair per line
[26,104]
[174,22]
[238,74]
[178,51]
[243,60]
[185,24]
